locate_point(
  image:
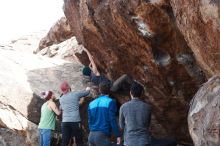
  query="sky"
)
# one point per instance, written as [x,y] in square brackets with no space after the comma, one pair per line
[22,17]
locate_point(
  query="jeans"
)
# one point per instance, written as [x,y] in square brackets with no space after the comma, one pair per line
[69,130]
[98,138]
[45,137]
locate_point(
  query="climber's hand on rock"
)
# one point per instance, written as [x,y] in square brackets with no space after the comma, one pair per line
[118,140]
[84,49]
[88,88]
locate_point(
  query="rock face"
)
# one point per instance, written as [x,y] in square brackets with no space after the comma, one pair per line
[199,22]
[13,120]
[10,138]
[141,38]
[69,50]
[60,32]
[204,114]
[23,76]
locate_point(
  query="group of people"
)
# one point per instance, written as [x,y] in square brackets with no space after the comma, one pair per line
[71,121]
[134,115]
[134,119]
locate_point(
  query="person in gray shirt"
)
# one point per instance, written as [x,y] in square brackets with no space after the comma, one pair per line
[134,118]
[69,103]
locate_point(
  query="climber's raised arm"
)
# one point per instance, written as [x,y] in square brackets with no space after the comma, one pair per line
[92,64]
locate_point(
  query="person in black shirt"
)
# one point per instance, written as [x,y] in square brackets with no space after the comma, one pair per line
[122,83]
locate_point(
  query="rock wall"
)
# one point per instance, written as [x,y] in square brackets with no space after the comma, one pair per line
[204,114]
[199,22]
[141,38]
[11,138]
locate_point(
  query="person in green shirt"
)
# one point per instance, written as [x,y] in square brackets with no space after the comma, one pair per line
[48,118]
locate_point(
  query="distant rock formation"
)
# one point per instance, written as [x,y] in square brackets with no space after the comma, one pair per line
[68,50]
[58,33]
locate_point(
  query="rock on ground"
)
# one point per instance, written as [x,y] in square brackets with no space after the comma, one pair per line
[204,114]
[16,123]
[11,138]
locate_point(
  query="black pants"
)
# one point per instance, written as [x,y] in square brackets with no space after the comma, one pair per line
[163,142]
[69,130]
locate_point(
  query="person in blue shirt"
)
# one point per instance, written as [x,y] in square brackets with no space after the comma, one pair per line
[121,85]
[102,118]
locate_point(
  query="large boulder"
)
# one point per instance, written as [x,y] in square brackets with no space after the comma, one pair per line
[140,38]
[204,113]
[13,121]
[23,77]
[11,138]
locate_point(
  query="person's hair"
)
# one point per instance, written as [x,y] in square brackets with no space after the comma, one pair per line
[47,95]
[65,87]
[86,71]
[104,87]
[136,89]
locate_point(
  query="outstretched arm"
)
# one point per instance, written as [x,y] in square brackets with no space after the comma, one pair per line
[92,64]
[83,93]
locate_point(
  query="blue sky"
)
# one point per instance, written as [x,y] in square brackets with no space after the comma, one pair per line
[22,17]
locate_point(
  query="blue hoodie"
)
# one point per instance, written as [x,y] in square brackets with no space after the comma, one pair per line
[102,115]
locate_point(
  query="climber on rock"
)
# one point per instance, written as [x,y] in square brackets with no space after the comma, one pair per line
[121,84]
[71,121]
